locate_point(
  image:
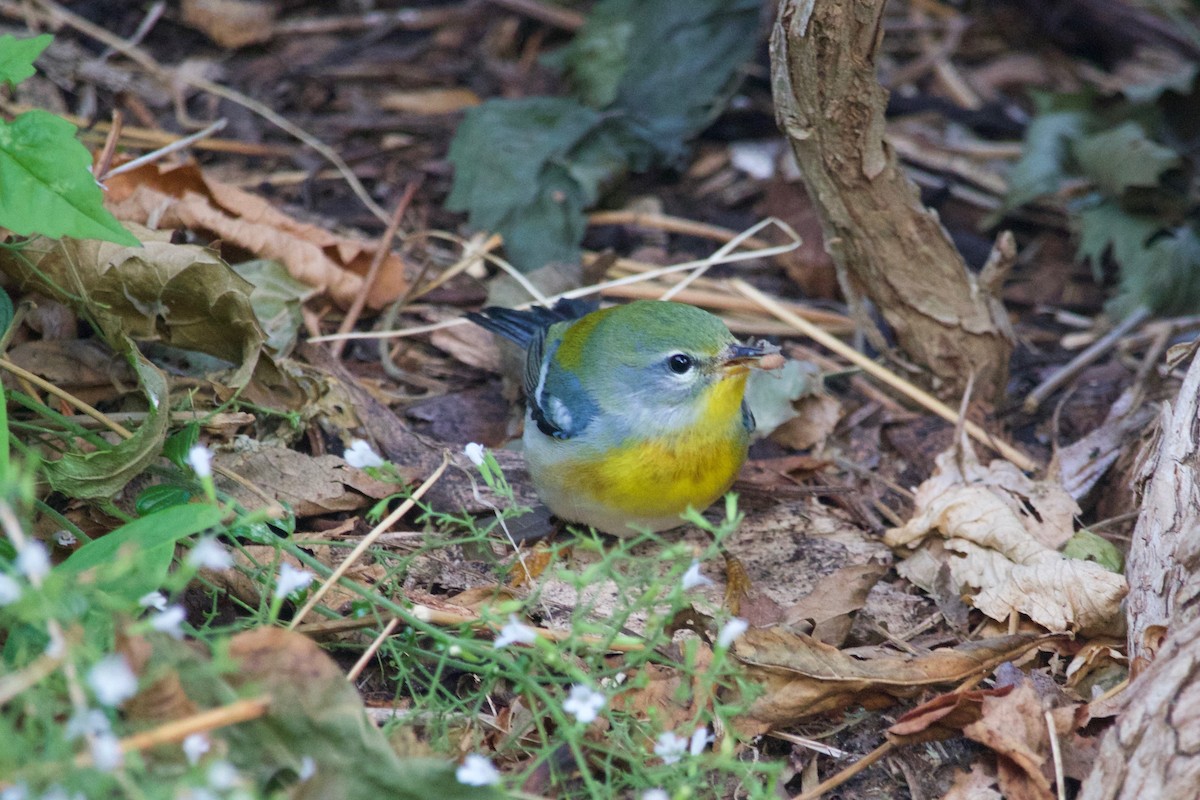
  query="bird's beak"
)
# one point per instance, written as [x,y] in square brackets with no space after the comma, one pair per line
[738,359]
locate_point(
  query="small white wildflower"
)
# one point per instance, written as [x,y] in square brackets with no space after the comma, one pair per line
[360,455]
[18,791]
[64,538]
[584,703]
[693,577]
[169,621]
[155,600]
[655,794]
[106,752]
[199,458]
[10,591]
[308,768]
[89,722]
[209,554]
[475,770]
[34,560]
[514,632]
[112,681]
[195,746]
[222,776]
[291,580]
[475,452]
[731,631]
[670,747]
[700,740]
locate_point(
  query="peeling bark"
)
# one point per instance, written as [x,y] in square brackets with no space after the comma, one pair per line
[1153,750]
[885,244]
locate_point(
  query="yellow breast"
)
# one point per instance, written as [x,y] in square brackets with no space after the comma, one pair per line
[659,476]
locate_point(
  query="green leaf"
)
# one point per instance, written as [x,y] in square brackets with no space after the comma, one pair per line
[159,497]
[1106,227]
[1121,157]
[17,56]
[134,559]
[511,176]
[46,186]
[1045,156]
[179,444]
[667,66]
[104,472]
[1087,546]
[276,299]
[6,311]
[1164,276]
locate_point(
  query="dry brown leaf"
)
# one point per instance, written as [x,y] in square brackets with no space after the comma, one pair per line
[802,676]
[978,784]
[232,23]
[185,197]
[819,414]
[942,717]
[834,600]
[1015,729]
[311,485]
[1001,533]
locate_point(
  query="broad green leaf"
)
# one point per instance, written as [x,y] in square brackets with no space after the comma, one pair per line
[1045,156]
[1121,157]
[159,497]
[104,472]
[510,177]
[276,299]
[1164,276]
[1105,227]
[134,559]
[46,184]
[180,443]
[1087,546]
[1180,82]
[667,66]
[17,56]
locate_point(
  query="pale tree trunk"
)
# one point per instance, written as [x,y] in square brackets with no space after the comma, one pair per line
[886,245]
[1153,750]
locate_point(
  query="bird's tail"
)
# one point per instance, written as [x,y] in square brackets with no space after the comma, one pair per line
[522,326]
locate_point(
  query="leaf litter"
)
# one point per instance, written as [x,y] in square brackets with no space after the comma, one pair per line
[818,648]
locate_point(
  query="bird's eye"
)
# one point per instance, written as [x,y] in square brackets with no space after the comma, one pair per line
[680,363]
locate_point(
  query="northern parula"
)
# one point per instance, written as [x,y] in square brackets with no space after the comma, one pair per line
[634,412]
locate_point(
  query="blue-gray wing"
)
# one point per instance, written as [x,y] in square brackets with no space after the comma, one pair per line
[558,403]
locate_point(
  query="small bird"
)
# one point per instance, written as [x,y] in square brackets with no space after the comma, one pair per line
[634,412]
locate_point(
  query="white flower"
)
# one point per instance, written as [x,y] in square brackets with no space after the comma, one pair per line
[34,560]
[308,768]
[670,747]
[64,538]
[10,589]
[514,632]
[731,631]
[655,794]
[359,454]
[222,776]
[112,681]
[106,752]
[475,770]
[291,580]
[155,600]
[195,746]
[199,458]
[700,740]
[475,452]
[208,554]
[693,577]
[89,722]
[169,621]
[17,791]
[584,703]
